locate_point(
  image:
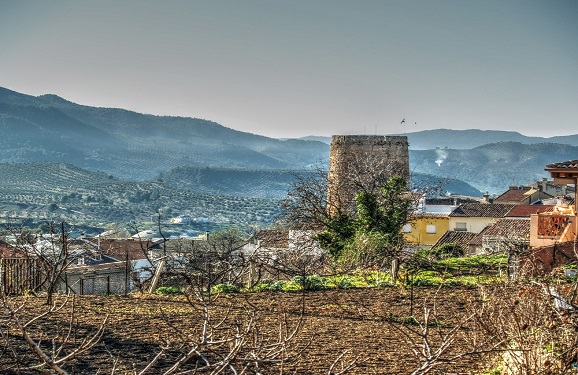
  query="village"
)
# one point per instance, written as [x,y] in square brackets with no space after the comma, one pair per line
[492,265]
[535,226]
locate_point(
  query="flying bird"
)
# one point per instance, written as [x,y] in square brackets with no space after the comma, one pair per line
[402,121]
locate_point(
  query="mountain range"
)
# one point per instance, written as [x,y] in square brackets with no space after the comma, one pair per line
[467,139]
[135,146]
[196,154]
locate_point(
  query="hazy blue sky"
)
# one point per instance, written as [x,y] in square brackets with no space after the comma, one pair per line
[305,67]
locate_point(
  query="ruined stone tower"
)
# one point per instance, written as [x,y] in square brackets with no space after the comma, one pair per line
[359,162]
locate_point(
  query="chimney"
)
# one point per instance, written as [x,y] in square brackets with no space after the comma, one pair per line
[486,197]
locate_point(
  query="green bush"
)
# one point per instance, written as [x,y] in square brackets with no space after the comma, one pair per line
[311,282]
[225,288]
[343,282]
[168,290]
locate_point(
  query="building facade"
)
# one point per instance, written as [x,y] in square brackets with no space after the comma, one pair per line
[358,162]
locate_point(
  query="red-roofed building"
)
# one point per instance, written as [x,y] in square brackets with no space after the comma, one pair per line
[560,224]
[524,211]
[507,235]
[554,234]
[9,251]
[522,195]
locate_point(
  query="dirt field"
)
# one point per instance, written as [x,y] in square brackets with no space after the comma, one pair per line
[358,322]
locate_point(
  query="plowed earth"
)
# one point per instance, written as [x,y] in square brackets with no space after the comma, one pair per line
[360,326]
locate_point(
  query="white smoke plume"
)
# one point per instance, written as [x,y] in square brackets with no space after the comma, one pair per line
[441,156]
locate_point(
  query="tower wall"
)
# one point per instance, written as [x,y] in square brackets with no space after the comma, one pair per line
[358,162]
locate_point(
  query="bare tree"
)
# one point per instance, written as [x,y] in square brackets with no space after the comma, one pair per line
[302,258]
[359,216]
[534,325]
[51,344]
[52,250]
[230,338]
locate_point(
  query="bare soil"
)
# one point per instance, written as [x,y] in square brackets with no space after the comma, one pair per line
[361,324]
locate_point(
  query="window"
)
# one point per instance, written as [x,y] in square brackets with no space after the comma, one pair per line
[430,229]
[461,227]
[407,228]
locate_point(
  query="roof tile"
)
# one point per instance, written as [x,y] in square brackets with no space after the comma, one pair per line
[496,210]
[525,210]
[459,238]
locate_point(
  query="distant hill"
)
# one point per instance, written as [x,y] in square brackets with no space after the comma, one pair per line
[224,196]
[137,147]
[63,191]
[274,184]
[466,139]
[493,167]
[48,128]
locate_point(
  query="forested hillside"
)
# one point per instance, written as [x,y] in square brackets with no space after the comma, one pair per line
[191,153]
[493,167]
[63,191]
[133,145]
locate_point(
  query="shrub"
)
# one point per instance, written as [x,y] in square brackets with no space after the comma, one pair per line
[168,290]
[311,282]
[225,288]
[343,282]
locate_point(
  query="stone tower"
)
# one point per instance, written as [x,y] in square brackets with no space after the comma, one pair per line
[359,162]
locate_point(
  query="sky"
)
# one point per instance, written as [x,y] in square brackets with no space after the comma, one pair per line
[294,68]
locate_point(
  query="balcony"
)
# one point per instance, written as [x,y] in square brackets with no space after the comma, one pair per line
[552,227]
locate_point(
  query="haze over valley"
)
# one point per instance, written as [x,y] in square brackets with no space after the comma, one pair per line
[100,165]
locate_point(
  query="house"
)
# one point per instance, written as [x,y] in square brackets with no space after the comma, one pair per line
[522,195]
[425,229]
[90,271]
[554,234]
[506,235]
[474,217]
[550,188]
[428,222]
[524,211]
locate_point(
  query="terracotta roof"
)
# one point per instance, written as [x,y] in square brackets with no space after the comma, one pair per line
[9,251]
[515,194]
[459,238]
[567,247]
[525,210]
[570,164]
[477,240]
[120,248]
[482,210]
[513,228]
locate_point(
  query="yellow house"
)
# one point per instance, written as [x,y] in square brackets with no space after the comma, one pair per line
[426,228]
[474,217]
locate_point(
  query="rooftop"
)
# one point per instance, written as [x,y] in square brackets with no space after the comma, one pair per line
[482,210]
[511,228]
[525,210]
[459,238]
[570,164]
[515,194]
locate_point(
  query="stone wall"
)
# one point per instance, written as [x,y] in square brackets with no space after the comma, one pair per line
[363,162]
